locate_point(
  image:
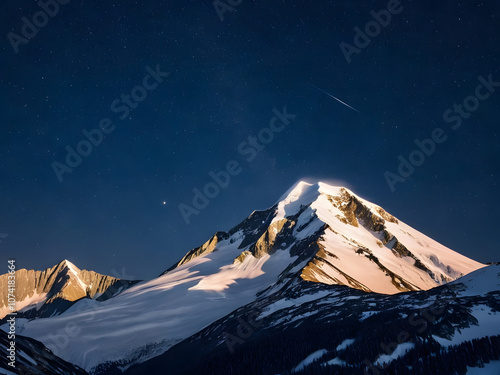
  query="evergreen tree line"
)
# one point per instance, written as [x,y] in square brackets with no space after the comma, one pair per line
[280,353]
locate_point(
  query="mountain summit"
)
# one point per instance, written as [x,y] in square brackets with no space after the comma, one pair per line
[339,238]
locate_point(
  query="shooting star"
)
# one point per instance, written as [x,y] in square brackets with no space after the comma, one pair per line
[337,99]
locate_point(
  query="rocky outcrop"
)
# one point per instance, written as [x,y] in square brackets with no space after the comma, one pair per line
[254,226]
[241,258]
[206,248]
[260,235]
[272,238]
[355,212]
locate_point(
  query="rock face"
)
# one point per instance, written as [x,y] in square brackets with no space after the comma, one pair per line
[43,293]
[206,248]
[270,239]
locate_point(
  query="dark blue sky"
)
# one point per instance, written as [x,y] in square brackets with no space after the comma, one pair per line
[119,207]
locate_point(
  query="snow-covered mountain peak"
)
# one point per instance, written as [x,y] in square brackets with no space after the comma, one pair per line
[296,190]
[357,242]
[337,237]
[299,195]
[304,194]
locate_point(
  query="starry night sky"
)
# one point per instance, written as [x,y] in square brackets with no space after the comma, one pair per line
[119,207]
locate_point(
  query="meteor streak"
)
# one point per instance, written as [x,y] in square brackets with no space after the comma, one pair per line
[337,99]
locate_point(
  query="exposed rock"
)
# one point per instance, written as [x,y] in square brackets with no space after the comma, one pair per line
[387,216]
[207,248]
[254,226]
[240,258]
[355,212]
[313,272]
[400,250]
[268,242]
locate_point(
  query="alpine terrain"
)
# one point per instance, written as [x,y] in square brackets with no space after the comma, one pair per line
[321,282]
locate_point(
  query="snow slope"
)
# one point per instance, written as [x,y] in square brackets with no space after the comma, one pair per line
[478,282]
[310,359]
[354,251]
[160,312]
[492,368]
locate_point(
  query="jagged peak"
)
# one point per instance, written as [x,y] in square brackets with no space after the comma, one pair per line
[300,194]
[302,188]
[304,193]
[296,189]
[66,264]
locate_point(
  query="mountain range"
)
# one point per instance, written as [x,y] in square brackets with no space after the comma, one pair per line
[323,275]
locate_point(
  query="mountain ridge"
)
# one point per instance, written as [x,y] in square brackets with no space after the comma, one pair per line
[53,290]
[303,199]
